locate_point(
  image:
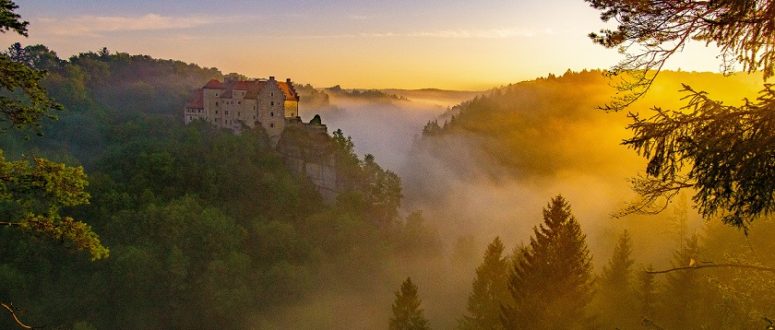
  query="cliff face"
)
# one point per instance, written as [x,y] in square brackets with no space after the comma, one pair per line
[308,150]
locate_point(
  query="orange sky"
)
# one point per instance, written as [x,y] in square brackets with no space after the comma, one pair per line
[363,44]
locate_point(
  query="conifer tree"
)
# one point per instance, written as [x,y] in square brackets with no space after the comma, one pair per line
[407,314]
[615,290]
[490,290]
[551,283]
[683,293]
[646,293]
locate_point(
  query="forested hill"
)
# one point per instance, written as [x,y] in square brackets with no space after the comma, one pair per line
[550,125]
[206,229]
[100,90]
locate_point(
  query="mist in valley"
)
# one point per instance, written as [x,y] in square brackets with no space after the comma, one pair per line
[138,205]
[470,193]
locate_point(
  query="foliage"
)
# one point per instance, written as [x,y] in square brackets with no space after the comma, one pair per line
[730,151]
[377,188]
[615,289]
[645,293]
[10,20]
[207,228]
[32,196]
[742,29]
[23,102]
[727,149]
[490,290]
[407,314]
[551,283]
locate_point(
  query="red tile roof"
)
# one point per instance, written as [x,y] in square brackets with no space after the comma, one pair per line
[214,84]
[253,87]
[243,85]
[288,90]
[197,100]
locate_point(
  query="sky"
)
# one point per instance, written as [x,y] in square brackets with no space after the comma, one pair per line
[451,44]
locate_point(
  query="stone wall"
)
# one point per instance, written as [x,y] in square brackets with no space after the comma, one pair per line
[308,150]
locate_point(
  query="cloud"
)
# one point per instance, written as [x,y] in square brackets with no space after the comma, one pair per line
[94,26]
[496,33]
[358,17]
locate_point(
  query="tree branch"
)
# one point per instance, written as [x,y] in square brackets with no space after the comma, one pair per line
[11,309]
[744,266]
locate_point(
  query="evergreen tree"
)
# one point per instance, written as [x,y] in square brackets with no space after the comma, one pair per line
[616,296]
[683,301]
[490,290]
[646,292]
[551,283]
[407,314]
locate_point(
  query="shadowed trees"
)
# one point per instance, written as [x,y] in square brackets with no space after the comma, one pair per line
[490,290]
[725,153]
[615,292]
[551,281]
[407,314]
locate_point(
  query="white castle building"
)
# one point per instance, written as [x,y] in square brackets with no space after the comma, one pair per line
[236,104]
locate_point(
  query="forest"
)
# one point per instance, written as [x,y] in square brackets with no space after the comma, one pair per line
[519,207]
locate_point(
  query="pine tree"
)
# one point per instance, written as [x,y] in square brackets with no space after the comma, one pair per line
[616,294]
[490,290]
[551,284]
[646,293]
[407,314]
[682,301]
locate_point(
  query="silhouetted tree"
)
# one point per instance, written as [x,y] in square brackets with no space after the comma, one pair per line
[407,314]
[725,153]
[657,29]
[646,293]
[682,298]
[551,283]
[490,290]
[615,290]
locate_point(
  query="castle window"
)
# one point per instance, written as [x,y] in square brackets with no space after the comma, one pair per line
[216,112]
[227,112]
[271,103]
[239,102]
[254,107]
[238,114]
[271,125]
[271,114]
[216,103]
[216,94]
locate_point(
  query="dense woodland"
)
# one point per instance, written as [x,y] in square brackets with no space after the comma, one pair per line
[195,227]
[543,133]
[205,228]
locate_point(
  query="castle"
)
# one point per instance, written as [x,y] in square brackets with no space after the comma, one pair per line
[306,148]
[234,104]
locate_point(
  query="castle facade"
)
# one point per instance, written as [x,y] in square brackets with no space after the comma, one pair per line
[306,148]
[237,104]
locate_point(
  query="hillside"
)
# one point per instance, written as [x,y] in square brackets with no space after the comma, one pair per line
[504,151]
[206,229]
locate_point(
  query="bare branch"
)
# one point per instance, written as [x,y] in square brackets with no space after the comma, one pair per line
[701,266]
[12,311]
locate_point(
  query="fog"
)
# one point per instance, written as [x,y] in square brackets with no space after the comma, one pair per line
[468,195]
